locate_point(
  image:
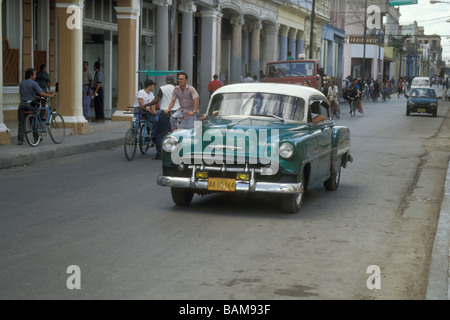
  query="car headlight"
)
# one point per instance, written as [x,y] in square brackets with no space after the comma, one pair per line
[286,150]
[411,103]
[169,144]
[433,105]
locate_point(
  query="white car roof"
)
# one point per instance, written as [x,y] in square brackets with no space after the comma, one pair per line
[275,88]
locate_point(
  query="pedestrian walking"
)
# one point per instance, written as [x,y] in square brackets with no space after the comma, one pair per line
[333,97]
[28,90]
[214,84]
[43,80]
[99,80]
[248,78]
[88,81]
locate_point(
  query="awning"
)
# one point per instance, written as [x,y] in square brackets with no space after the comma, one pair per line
[158,73]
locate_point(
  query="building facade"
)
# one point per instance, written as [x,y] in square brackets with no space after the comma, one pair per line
[201,37]
[333,39]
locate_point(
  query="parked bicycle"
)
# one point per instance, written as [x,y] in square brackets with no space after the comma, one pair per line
[42,121]
[139,133]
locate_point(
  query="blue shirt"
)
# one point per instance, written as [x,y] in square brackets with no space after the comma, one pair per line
[98,78]
[29,89]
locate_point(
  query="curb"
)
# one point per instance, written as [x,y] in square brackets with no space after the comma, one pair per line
[438,277]
[57,151]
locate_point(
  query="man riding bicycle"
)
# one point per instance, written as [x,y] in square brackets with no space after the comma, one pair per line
[353,91]
[188,99]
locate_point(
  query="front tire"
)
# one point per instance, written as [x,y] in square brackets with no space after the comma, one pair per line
[408,112]
[57,128]
[291,203]
[332,184]
[31,130]
[130,144]
[182,197]
[145,134]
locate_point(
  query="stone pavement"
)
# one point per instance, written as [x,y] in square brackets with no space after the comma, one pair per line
[111,134]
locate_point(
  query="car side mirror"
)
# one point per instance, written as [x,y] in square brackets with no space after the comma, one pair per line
[407,96]
[439,98]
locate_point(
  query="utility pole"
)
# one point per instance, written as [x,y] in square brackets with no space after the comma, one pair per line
[363,73]
[311,37]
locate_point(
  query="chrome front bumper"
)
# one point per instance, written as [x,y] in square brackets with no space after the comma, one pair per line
[251,186]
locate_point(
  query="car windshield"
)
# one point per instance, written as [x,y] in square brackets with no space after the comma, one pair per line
[257,104]
[290,69]
[420,83]
[423,93]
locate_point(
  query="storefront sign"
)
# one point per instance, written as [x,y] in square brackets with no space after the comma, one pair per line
[369,40]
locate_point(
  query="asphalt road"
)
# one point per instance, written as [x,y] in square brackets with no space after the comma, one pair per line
[107,216]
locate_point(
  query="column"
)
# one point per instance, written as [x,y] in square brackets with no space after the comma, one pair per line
[300,43]
[187,37]
[70,64]
[255,48]
[5,134]
[208,54]
[236,50]
[271,43]
[283,42]
[127,25]
[107,72]
[162,37]
[293,42]
[219,44]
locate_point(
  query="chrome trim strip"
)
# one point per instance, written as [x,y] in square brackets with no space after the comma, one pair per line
[286,188]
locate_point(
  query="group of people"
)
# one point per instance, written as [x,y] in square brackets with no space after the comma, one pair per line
[93,83]
[171,103]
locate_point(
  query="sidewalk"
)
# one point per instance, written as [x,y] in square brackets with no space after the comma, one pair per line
[111,134]
[439,275]
[105,135]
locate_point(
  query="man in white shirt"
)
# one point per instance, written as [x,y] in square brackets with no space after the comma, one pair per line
[143,99]
[165,121]
[333,97]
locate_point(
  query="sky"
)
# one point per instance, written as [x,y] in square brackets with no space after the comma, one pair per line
[433,17]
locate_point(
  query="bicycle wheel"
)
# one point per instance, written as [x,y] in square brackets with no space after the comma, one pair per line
[57,128]
[353,108]
[145,134]
[130,144]
[32,130]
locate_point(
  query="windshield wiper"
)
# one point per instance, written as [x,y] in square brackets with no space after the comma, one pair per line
[268,115]
[235,123]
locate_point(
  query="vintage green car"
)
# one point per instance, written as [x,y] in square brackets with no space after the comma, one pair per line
[258,137]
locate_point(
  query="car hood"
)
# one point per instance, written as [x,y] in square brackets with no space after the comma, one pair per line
[422,100]
[252,138]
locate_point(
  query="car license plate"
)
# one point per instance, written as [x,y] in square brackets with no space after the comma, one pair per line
[421,110]
[221,184]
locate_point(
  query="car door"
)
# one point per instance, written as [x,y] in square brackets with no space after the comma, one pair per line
[322,139]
